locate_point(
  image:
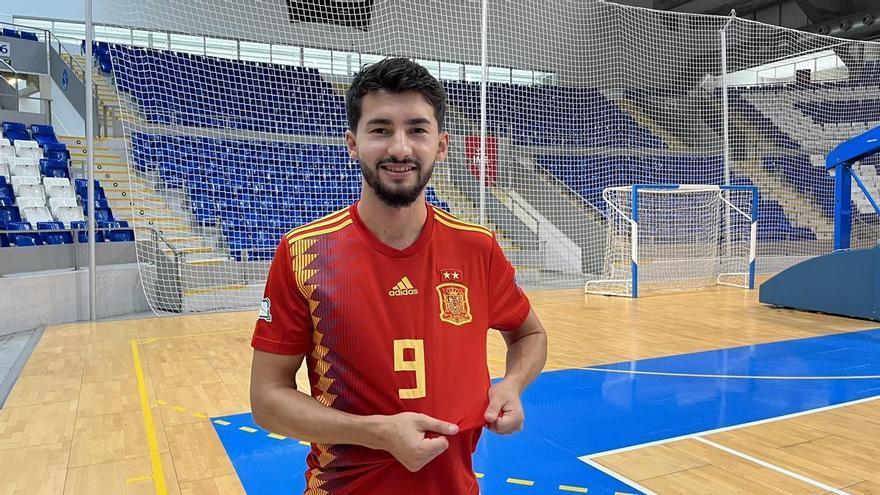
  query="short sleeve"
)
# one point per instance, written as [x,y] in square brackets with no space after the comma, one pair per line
[508,304]
[284,325]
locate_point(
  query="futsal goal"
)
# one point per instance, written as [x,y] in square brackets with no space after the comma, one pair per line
[664,237]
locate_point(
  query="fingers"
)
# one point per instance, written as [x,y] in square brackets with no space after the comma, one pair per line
[509,422]
[427,451]
[494,410]
[427,423]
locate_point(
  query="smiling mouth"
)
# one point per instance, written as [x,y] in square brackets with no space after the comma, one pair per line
[399,169]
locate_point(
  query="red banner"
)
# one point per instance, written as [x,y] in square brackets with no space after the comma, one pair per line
[472,155]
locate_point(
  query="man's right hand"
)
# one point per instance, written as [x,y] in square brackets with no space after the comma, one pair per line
[405,437]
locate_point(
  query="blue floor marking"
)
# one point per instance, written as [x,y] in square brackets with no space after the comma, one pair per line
[577,412]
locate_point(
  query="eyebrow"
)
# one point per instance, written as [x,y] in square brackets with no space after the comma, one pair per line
[416,121]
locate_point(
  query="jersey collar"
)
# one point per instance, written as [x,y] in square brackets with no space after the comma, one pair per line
[387,250]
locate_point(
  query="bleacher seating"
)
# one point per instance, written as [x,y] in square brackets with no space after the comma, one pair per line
[287,184]
[202,91]
[580,117]
[813,182]
[25,35]
[834,111]
[54,237]
[38,190]
[587,176]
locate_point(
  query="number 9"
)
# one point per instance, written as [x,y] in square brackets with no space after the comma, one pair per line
[417,365]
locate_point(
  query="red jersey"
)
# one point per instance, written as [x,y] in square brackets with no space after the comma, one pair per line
[386,331]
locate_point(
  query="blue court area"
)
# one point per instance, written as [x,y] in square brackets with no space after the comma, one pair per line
[581,412]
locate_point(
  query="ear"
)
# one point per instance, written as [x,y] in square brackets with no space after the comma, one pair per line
[442,147]
[351,144]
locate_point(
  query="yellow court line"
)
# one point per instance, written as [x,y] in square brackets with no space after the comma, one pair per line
[575,489]
[517,481]
[155,461]
[276,436]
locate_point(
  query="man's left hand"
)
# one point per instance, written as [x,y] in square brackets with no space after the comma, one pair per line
[505,413]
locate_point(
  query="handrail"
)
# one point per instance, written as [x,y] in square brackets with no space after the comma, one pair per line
[164,241]
[515,202]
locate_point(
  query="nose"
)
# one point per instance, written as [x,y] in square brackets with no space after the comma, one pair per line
[399,147]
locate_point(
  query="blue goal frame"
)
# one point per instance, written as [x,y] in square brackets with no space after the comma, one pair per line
[753,219]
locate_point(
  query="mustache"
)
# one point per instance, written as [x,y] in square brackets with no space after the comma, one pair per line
[410,160]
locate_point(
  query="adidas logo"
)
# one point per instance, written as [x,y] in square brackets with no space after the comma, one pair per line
[403,288]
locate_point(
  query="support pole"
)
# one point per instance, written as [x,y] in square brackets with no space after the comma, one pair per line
[484,82]
[90,157]
[842,206]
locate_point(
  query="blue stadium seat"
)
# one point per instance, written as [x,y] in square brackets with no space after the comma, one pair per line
[9,213]
[55,151]
[12,33]
[27,35]
[54,237]
[24,235]
[119,231]
[83,231]
[15,131]
[54,168]
[43,134]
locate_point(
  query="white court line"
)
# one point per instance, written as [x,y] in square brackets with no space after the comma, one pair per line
[738,377]
[774,467]
[727,428]
[618,476]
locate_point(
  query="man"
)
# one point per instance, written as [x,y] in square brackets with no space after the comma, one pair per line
[389,302]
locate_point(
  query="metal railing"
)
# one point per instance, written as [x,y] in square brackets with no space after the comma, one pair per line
[45,105]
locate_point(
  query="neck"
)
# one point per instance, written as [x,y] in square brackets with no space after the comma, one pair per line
[395,227]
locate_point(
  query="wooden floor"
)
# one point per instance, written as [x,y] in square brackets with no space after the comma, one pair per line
[121,406]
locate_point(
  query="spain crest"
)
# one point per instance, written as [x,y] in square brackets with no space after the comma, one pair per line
[454,306]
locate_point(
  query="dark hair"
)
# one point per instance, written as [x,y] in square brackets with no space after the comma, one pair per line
[394,75]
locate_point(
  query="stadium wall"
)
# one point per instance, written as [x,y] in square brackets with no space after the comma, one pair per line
[31,300]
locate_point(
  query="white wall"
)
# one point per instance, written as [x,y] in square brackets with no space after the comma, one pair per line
[65,118]
[28,301]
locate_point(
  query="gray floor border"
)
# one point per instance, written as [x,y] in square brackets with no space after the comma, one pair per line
[15,370]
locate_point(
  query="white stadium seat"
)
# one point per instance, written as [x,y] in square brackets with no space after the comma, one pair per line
[36,214]
[23,144]
[4,171]
[23,180]
[58,187]
[67,214]
[60,192]
[35,153]
[56,204]
[25,169]
[7,150]
[30,202]
[32,191]
[4,142]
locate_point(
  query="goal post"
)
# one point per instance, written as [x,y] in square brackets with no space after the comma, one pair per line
[677,237]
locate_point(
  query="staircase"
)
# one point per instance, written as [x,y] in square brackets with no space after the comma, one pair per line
[799,209]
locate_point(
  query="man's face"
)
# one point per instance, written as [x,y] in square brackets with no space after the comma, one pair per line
[397,142]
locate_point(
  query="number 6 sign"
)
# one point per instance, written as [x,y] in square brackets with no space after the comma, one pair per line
[4,49]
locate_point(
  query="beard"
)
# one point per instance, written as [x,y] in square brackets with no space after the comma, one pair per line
[394,195]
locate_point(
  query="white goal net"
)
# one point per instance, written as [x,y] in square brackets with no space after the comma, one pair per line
[677,237]
[234,116]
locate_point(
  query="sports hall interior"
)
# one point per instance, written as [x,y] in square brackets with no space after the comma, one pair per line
[211,128]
